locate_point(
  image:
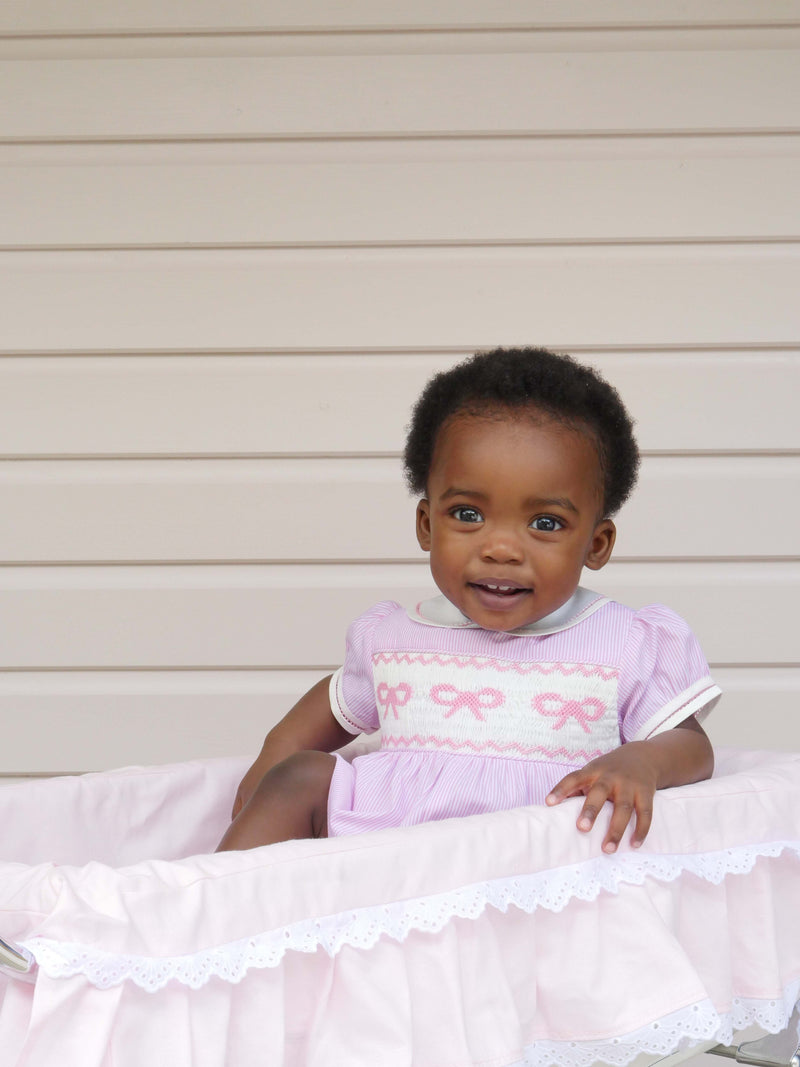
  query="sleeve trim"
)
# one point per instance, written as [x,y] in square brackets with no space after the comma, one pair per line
[697,700]
[339,709]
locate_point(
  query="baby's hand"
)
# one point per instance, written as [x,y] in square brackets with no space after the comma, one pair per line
[626,777]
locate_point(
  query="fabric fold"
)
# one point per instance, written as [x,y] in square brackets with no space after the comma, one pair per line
[507,938]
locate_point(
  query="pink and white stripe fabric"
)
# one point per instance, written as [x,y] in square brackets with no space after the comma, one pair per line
[473,721]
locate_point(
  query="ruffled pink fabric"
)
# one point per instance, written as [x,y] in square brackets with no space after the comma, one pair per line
[506,938]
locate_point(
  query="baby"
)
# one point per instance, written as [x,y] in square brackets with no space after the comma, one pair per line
[516,685]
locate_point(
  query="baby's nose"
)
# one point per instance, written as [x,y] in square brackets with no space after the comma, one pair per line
[502,545]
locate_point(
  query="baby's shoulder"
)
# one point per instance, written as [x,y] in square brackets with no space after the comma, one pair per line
[382,610]
[617,632]
[655,635]
[658,619]
[374,620]
[651,616]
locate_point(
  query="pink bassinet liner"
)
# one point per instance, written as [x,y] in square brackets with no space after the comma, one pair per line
[498,939]
[361,927]
[75,1025]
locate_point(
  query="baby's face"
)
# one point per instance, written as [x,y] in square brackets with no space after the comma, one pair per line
[511,517]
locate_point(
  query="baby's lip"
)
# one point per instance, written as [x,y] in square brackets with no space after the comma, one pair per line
[501,585]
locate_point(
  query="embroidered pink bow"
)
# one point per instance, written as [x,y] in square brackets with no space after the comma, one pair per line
[393,697]
[455,699]
[585,711]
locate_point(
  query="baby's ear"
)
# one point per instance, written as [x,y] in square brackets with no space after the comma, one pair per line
[603,538]
[424,525]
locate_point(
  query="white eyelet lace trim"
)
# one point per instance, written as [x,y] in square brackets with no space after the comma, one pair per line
[362,928]
[671,1033]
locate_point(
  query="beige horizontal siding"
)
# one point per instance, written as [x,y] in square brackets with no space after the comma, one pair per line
[238,239]
[354,509]
[296,617]
[473,297]
[49,16]
[260,44]
[307,96]
[742,193]
[229,404]
[142,717]
[758,708]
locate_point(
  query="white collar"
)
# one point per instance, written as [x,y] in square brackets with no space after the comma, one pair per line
[439,611]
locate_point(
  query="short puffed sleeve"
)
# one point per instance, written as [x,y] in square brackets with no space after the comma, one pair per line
[352,690]
[664,676]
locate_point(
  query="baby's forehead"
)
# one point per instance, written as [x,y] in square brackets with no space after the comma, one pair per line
[517,419]
[470,429]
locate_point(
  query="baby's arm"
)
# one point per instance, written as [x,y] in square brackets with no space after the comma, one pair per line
[630,775]
[310,725]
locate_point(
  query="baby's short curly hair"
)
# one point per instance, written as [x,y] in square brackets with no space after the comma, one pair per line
[516,379]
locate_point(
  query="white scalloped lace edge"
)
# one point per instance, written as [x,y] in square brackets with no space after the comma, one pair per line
[362,928]
[684,1029]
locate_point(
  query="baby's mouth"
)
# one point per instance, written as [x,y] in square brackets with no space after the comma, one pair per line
[500,591]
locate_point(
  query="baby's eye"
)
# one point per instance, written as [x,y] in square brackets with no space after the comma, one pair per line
[466,514]
[547,523]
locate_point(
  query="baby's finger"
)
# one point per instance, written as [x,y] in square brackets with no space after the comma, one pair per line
[595,799]
[644,819]
[571,785]
[623,810]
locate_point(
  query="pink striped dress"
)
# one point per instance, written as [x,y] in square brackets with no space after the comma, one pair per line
[475,720]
